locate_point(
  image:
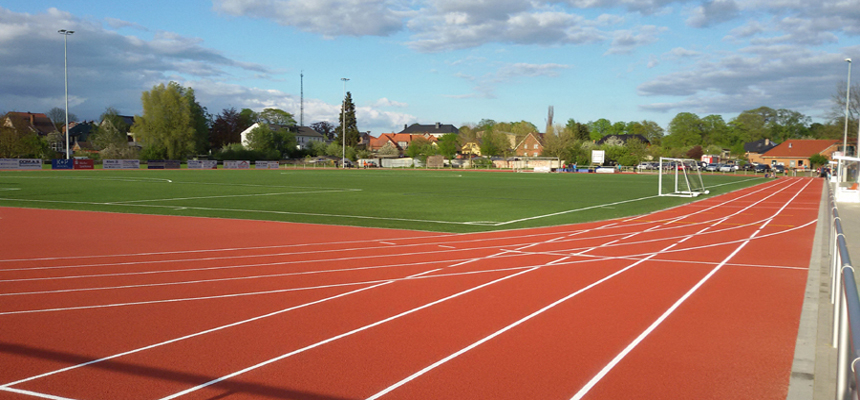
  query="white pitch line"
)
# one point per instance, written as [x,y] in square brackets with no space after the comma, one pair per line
[229,196]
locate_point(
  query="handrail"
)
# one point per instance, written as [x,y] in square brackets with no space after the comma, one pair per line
[846,309]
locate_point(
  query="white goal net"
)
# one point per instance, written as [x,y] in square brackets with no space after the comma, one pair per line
[680,177]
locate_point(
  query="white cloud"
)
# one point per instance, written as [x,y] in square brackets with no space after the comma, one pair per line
[385,102]
[713,12]
[329,18]
[626,41]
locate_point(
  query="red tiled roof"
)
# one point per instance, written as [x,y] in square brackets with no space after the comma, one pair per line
[39,122]
[799,148]
[394,138]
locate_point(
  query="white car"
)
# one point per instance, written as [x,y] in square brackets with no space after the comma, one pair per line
[728,168]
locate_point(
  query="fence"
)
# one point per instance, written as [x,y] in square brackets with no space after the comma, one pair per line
[846,309]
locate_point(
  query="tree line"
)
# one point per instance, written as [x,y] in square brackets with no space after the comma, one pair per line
[174,125]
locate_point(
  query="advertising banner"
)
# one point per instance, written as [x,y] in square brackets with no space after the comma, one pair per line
[235,164]
[266,165]
[121,164]
[62,164]
[84,164]
[29,163]
[8,163]
[163,164]
[202,164]
[597,156]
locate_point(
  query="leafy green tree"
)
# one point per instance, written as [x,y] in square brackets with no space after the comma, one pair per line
[579,131]
[420,148]
[684,130]
[648,129]
[817,160]
[168,127]
[715,131]
[324,128]
[277,116]
[448,145]
[789,125]
[110,139]
[352,135]
[247,117]
[600,128]
[494,144]
[388,150]
[227,128]
[636,152]
[274,143]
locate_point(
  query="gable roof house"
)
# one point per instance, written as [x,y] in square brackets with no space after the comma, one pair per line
[796,153]
[400,141]
[304,135]
[530,146]
[38,123]
[754,150]
[436,130]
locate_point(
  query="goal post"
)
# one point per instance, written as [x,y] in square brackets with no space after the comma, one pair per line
[680,177]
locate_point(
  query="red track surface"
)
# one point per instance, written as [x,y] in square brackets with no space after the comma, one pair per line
[700,301]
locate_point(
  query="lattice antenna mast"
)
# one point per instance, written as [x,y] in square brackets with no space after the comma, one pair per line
[302,98]
[549,116]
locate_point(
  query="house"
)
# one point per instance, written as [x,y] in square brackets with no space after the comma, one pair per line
[471,149]
[796,153]
[530,146]
[754,150]
[436,130]
[621,140]
[125,126]
[38,123]
[400,141]
[304,135]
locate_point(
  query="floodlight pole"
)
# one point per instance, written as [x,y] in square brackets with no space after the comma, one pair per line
[343,123]
[847,102]
[66,34]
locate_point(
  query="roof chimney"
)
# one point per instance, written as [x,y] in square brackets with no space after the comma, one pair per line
[32,119]
[405,126]
[438,125]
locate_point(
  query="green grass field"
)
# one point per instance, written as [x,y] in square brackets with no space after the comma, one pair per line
[446,201]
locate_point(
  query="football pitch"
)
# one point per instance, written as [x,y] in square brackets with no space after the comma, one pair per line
[429,200]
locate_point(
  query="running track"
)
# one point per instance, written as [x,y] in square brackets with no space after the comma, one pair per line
[699,301]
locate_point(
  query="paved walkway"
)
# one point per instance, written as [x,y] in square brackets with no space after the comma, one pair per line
[814,370]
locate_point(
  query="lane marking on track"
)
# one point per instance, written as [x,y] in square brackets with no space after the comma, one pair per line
[456,236]
[137,350]
[620,356]
[230,325]
[34,394]
[544,309]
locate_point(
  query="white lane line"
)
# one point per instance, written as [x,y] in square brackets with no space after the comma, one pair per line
[513,325]
[552,305]
[341,336]
[166,342]
[620,356]
[34,394]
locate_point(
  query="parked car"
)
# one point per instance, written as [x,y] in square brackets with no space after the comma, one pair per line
[644,165]
[727,168]
[779,169]
[713,167]
[748,167]
[762,168]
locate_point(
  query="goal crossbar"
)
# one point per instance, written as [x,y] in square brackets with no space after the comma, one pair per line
[680,177]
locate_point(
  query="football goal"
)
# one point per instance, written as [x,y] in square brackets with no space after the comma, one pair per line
[680,177]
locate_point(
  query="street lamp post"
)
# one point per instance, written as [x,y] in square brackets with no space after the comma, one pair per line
[66,34]
[343,123]
[847,102]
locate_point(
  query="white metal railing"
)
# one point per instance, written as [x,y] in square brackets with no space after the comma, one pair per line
[846,309]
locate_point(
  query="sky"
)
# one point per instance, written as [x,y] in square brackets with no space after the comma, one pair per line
[426,61]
